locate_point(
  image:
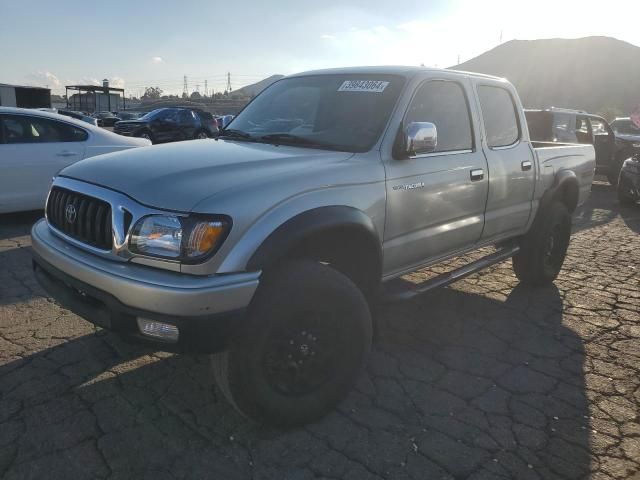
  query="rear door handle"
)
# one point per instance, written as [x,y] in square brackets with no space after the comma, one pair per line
[477,174]
[526,165]
[66,153]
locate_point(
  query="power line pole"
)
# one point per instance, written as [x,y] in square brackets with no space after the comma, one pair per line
[185,89]
[206,89]
[228,89]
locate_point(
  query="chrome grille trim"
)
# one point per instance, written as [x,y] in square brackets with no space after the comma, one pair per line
[125,212]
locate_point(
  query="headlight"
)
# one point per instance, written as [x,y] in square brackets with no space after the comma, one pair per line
[188,239]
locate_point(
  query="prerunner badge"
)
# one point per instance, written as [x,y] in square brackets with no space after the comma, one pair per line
[373,86]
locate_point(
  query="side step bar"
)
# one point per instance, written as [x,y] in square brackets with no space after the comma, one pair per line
[414,290]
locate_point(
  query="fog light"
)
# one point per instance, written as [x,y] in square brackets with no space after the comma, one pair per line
[163,331]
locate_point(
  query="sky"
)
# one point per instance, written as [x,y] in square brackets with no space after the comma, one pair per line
[136,44]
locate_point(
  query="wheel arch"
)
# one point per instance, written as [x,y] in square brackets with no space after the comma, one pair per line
[342,236]
[564,189]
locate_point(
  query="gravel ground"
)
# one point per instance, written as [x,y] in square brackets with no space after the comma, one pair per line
[484,379]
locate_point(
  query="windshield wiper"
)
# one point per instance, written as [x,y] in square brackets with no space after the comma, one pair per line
[289,139]
[232,133]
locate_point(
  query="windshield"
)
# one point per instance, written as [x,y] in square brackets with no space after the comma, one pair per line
[343,112]
[152,114]
[625,127]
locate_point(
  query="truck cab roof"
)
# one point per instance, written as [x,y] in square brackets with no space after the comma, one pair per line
[404,71]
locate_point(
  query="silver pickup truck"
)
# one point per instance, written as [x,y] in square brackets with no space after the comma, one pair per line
[268,245]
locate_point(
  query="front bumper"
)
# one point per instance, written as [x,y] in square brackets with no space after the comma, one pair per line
[206,310]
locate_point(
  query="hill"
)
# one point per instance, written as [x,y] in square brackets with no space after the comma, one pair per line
[596,74]
[256,88]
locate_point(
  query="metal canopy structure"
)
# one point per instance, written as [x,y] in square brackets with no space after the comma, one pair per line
[95,89]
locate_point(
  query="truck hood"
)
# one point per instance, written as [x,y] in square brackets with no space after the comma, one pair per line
[178,176]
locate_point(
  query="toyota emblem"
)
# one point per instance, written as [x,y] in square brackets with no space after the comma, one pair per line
[70,213]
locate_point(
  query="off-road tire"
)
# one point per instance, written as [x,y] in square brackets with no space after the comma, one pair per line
[305,308]
[544,247]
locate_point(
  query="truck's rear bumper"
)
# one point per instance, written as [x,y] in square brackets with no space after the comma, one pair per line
[206,310]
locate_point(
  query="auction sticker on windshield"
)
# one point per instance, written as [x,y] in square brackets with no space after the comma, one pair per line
[375,86]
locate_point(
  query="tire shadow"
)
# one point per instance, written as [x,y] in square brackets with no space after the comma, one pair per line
[18,224]
[457,384]
[497,385]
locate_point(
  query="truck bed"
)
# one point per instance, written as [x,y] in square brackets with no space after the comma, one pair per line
[579,158]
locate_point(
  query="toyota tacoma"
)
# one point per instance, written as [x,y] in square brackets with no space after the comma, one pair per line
[268,246]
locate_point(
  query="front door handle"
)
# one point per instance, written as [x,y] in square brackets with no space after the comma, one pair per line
[477,174]
[526,165]
[66,153]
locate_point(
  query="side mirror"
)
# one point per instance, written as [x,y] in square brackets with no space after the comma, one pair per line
[420,137]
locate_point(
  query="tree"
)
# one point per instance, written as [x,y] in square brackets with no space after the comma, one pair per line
[151,93]
[196,95]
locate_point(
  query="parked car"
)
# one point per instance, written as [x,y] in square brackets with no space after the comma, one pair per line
[629,181]
[627,137]
[35,145]
[576,126]
[625,128]
[106,119]
[268,245]
[79,116]
[170,125]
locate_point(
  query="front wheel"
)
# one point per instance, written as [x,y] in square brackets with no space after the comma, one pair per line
[306,340]
[544,247]
[146,135]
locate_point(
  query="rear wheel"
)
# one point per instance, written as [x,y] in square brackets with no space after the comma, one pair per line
[306,340]
[544,247]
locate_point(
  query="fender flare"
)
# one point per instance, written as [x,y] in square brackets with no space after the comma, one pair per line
[565,188]
[313,223]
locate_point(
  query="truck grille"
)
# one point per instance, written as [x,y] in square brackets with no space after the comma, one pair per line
[81,217]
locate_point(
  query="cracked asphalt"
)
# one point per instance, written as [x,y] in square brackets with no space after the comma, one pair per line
[483,379]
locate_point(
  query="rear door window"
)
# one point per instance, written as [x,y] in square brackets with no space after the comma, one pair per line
[187,117]
[499,116]
[26,129]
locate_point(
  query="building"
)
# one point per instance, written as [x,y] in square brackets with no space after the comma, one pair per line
[24,97]
[95,98]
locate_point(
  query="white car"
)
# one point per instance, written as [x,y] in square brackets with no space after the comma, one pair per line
[35,145]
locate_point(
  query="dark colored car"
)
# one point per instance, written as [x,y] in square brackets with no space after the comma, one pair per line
[106,119]
[575,126]
[629,181]
[78,116]
[627,137]
[170,125]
